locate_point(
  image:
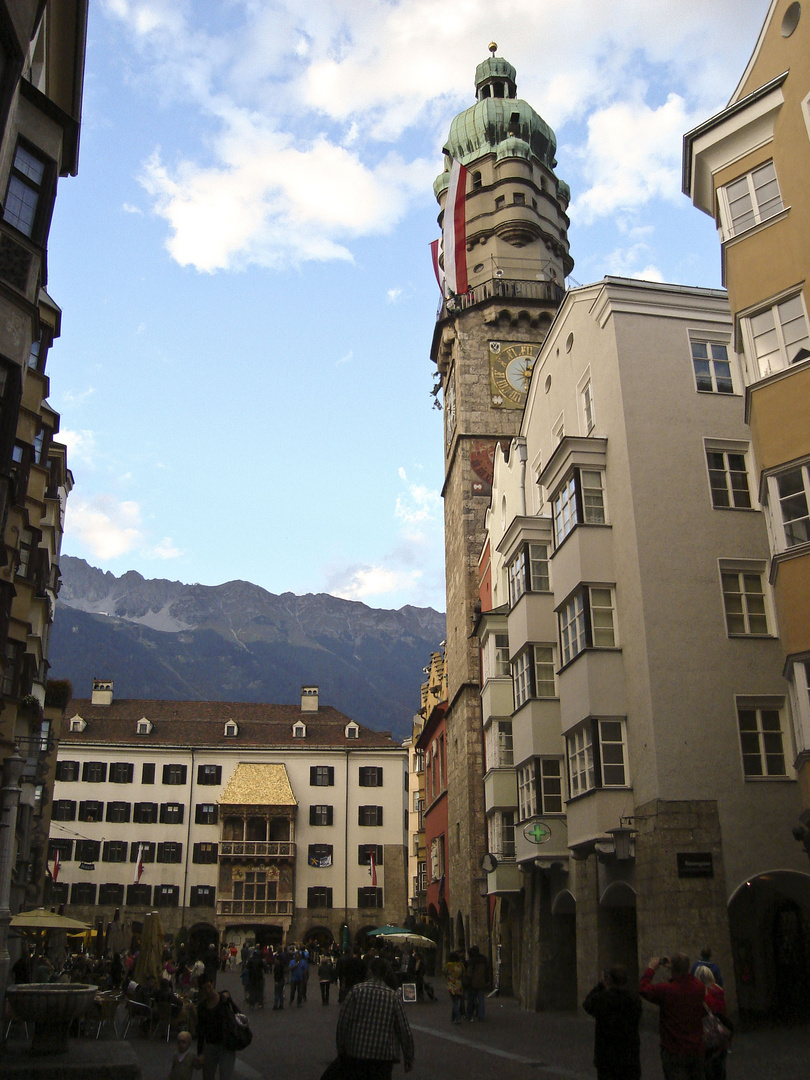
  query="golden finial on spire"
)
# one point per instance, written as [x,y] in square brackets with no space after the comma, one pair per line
[493,48]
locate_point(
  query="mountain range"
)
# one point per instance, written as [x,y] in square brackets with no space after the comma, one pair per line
[160,639]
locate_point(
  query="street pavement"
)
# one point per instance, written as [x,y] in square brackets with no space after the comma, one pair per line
[512,1044]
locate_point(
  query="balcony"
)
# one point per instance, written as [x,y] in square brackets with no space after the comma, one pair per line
[257,849]
[548,292]
[254,907]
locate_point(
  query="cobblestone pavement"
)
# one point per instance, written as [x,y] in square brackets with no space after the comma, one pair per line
[511,1045]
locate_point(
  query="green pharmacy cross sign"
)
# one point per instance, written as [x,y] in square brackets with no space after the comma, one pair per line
[537,833]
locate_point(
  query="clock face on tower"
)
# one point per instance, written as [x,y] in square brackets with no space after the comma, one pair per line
[510,372]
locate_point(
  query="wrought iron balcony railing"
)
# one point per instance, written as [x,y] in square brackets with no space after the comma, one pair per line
[257,849]
[254,907]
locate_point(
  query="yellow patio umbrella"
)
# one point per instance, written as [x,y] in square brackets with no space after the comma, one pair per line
[149,960]
[42,919]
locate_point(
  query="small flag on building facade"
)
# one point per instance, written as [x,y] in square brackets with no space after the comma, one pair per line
[139,864]
[454,230]
[372,866]
[56,865]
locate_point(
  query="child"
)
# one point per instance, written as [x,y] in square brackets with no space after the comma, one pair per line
[184,1061]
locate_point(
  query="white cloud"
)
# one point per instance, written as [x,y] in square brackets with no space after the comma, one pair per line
[130,209]
[166,549]
[81,445]
[345,358]
[649,273]
[102,525]
[394,295]
[69,398]
[373,582]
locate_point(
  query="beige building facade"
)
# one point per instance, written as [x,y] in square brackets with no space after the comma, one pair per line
[643,751]
[747,168]
[270,823]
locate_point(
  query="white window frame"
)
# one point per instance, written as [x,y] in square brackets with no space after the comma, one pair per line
[528,571]
[592,756]
[799,682]
[501,829]
[734,496]
[500,744]
[579,500]
[781,355]
[584,623]
[761,740]
[585,392]
[530,673]
[550,773]
[527,791]
[787,535]
[717,355]
[745,599]
[744,195]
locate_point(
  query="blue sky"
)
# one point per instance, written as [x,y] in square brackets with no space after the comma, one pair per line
[242,262]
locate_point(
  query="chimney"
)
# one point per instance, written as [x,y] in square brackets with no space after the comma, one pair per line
[309,699]
[102,692]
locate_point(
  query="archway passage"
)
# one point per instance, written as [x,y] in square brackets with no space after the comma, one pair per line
[200,936]
[769,919]
[557,986]
[618,932]
[319,937]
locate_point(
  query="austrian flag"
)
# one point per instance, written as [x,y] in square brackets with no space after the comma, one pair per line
[454,230]
[139,864]
[56,865]
[372,866]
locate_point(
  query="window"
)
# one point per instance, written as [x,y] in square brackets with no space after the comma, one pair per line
[319,896]
[750,200]
[533,674]
[369,815]
[419,761]
[499,744]
[60,892]
[88,850]
[118,811]
[111,893]
[371,776]
[712,368]
[114,851]
[519,199]
[147,851]
[586,395]
[145,813]
[500,202]
[28,543]
[596,756]
[587,622]
[144,727]
[64,847]
[121,772]
[26,203]
[369,897]
[139,895]
[171,813]
[67,771]
[299,731]
[206,814]
[202,896]
[255,886]
[744,602]
[83,892]
[728,480]
[169,852]
[319,855]
[91,811]
[528,572]
[793,493]
[352,731]
[148,772]
[540,788]
[501,827]
[776,336]
[205,853]
[579,500]
[63,810]
[231,730]
[209,774]
[94,772]
[174,774]
[527,791]
[322,775]
[320,815]
[763,752]
[364,854]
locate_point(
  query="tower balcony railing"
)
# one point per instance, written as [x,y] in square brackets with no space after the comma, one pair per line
[257,849]
[505,288]
[254,907]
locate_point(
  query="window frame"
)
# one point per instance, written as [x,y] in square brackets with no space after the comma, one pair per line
[319,810]
[114,851]
[369,816]
[319,896]
[759,734]
[44,191]
[573,502]
[172,813]
[175,774]
[734,226]
[206,814]
[209,775]
[777,359]
[83,893]
[713,382]
[140,817]
[740,604]
[368,893]
[205,853]
[202,896]
[525,570]
[370,776]
[577,614]
[67,772]
[121,772]
[94,772]
[322,776]
[784,529]
[585,756]
[728,496]
[118,812]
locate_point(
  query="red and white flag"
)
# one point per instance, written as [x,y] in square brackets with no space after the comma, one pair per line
[139,864]
[437,269]
[56,865]
[372,866]
[454,230]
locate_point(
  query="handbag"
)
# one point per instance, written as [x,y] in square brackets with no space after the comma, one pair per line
[716,1036]
[238,1035]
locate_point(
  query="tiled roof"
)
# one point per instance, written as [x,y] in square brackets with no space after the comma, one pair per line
[258,785]
[202,723]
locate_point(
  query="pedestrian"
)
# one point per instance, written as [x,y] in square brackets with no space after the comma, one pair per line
[476,982]
[212,1031]
[617,1011]
[351,971]
[372,1029]
[715,1003]
[184,1062]
[279,972]
[325,973]
[454,973]
[680,1024]
[298,968]
[706,961]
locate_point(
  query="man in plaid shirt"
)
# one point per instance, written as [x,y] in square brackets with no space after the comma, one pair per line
[372,1027]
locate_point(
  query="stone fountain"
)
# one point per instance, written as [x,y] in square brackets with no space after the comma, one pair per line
[52,1007]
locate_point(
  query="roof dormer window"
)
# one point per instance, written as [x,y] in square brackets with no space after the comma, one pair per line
[77,724]
[352,731]
[144,726]
[299,731]
[231,729]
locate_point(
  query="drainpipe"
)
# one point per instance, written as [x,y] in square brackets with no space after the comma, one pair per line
[520,446]
[346,848]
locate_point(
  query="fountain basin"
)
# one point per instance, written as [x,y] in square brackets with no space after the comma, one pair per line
[52,1007]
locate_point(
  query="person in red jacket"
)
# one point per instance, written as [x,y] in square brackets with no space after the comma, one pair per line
[680,1002]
